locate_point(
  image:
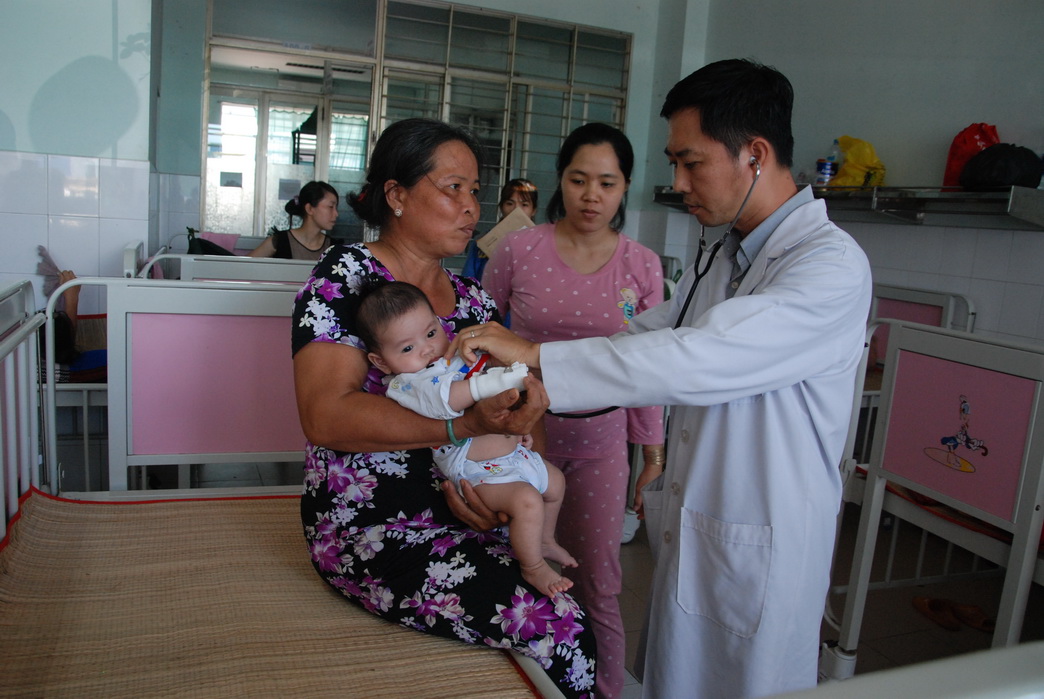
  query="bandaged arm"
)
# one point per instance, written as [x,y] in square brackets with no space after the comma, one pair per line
[427,392]
[435,392]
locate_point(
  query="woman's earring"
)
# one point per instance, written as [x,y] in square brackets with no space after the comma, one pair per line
[398,213]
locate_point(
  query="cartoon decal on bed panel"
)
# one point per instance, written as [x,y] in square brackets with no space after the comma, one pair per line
[948,457]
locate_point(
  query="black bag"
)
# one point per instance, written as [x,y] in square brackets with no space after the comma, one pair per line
[201,246]
[1002,165]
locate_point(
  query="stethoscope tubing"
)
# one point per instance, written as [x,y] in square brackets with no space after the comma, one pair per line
[692,290]
[715,247]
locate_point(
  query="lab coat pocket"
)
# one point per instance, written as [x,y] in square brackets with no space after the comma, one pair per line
[652,505]
[723,571]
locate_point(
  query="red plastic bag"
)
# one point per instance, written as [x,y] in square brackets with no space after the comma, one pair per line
[968,142]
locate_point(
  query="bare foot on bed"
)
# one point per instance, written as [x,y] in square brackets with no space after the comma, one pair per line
[544,578]
[553,552]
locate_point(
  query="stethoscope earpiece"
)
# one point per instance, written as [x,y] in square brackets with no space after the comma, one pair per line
[716,246]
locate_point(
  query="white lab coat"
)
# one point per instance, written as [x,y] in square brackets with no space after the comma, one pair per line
[742,521]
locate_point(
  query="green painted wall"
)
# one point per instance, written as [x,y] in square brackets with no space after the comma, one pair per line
[76,77]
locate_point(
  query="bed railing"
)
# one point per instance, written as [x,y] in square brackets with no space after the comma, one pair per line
[233,268]
[198,373]
[19,427]
[959,443]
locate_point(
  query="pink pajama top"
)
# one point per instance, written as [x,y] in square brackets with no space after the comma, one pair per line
[551,301]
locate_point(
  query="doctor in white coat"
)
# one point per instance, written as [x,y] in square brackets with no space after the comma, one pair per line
[760,368]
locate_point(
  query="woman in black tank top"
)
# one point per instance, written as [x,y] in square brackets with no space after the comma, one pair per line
[316,206]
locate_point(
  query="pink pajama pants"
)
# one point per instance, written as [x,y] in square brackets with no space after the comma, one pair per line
[589,527]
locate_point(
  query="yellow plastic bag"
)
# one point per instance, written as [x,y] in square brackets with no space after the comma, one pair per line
[861,167]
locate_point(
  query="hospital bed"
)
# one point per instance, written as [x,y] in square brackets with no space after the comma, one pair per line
[87,398]
[941,309]
[204,377]
[19,430]
[945,396]
[230,268]
[890,304]
[126,594]
[133,258]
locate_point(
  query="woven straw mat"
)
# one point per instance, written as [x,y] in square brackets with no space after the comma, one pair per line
[208,598]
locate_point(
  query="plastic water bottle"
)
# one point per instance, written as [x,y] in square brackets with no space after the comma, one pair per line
[826,168]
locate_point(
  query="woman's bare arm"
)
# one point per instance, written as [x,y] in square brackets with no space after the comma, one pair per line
[265,249]
[336,413]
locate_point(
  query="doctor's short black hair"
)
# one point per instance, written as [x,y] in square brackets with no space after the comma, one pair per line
[382,302]
[738,100]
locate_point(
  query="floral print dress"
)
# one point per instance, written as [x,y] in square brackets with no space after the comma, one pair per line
[380,532]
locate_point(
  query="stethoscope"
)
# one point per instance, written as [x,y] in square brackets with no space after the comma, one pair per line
[716,246]
[696,270]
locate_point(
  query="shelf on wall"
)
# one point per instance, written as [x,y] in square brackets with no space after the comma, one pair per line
[1020,208]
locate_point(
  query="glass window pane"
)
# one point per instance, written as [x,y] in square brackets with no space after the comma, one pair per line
[352,84]
[543,51]
[410,96]
[480,106]
[231,146]
[537,129]
[271,70]
[417,33]
[349,135]
[291,151]
[563,76]
[480,41]
[588,108]
[343,25]
[601,61]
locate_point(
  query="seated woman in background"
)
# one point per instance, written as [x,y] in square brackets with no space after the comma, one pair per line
[316,206]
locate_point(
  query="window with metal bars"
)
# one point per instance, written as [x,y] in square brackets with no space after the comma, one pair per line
[520,83]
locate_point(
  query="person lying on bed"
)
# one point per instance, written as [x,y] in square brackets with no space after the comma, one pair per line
[377,527]
[406,341]
[79,352]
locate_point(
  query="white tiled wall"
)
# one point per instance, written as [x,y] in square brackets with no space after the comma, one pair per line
[83,210]
[999,270]
[177,206]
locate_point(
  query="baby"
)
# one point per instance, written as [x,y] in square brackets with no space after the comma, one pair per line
[406,340]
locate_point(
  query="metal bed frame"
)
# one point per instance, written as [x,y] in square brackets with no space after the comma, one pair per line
[951,354]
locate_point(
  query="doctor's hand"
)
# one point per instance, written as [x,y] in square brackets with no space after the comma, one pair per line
[505,346]
[470,509]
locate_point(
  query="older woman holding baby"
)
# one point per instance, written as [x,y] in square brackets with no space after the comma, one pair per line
[377,526]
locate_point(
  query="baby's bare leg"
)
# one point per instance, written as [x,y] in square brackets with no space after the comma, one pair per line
[525,506]
[553,497]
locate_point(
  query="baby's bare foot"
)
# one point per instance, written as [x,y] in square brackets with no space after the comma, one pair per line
[553,552]
[544,578]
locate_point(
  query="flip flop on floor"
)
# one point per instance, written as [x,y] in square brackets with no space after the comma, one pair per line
[973,616]
[938,610]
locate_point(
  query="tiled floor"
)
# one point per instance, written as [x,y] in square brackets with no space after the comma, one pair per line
[893,634]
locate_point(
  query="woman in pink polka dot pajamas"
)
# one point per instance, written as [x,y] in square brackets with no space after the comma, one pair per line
[578,276]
